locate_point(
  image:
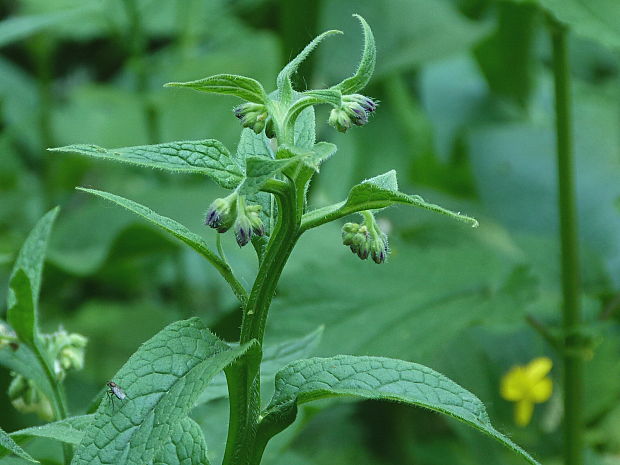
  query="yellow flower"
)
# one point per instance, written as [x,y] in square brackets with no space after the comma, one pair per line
[527,385]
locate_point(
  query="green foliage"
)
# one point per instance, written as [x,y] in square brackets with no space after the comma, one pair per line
[375,378]
[8,444]
[465,119]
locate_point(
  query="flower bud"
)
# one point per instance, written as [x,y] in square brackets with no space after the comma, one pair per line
[26,398]
[252,115]
[221,213]
[366,239]
[248,222]
[354,110]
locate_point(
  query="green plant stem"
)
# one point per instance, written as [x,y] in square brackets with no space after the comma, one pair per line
[58,402]
[244,379]
[572,320]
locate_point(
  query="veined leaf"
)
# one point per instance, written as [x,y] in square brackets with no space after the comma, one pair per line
[10,446]
[375,193]
[162,381]
[184,446]
[374,378]
[228,84]
[180,232]
[208,157]
[366,66]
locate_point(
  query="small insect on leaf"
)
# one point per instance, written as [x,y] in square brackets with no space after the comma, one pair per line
[116,390]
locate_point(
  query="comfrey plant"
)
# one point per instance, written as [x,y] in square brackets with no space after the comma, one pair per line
[147,418]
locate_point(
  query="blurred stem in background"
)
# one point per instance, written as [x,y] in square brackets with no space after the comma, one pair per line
[137,47]
[572,357]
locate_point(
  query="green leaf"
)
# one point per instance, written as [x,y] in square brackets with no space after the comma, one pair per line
[275,357]
[32,254]
[208,157]
[180,232]
[228,84]
[70,431]
[305,131]
[292,65]
[162,381]
[22,314]
[9,445]
[375,193]
[184,446]
[381,379]
[597,20]
[366,65]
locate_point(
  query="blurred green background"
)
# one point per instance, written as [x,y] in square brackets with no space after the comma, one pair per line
[466,120]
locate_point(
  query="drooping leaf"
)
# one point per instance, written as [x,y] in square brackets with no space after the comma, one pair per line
[9,445]
[376,378]
[228,84]
[177,230]
[162,381]
[275,357]
[184,446]
[375,193]
[208,157]
[366,65]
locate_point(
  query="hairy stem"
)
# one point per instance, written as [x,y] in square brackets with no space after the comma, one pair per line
[573,363]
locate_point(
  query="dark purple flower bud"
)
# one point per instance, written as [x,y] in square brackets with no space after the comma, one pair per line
[221,213]
[243,230]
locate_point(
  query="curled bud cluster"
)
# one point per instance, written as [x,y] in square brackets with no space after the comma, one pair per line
[255,117]
[66,351]
[366,240]
[354,110]
[232,211]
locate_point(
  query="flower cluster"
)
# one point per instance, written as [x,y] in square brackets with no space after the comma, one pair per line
[67,353]
[233,211]
[366,239]
[354,110]
[255,117]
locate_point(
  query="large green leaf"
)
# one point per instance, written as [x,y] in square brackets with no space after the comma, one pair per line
[162,381]
[375,193]
[375,378]
[208,157]
[184,446]
[6,443]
